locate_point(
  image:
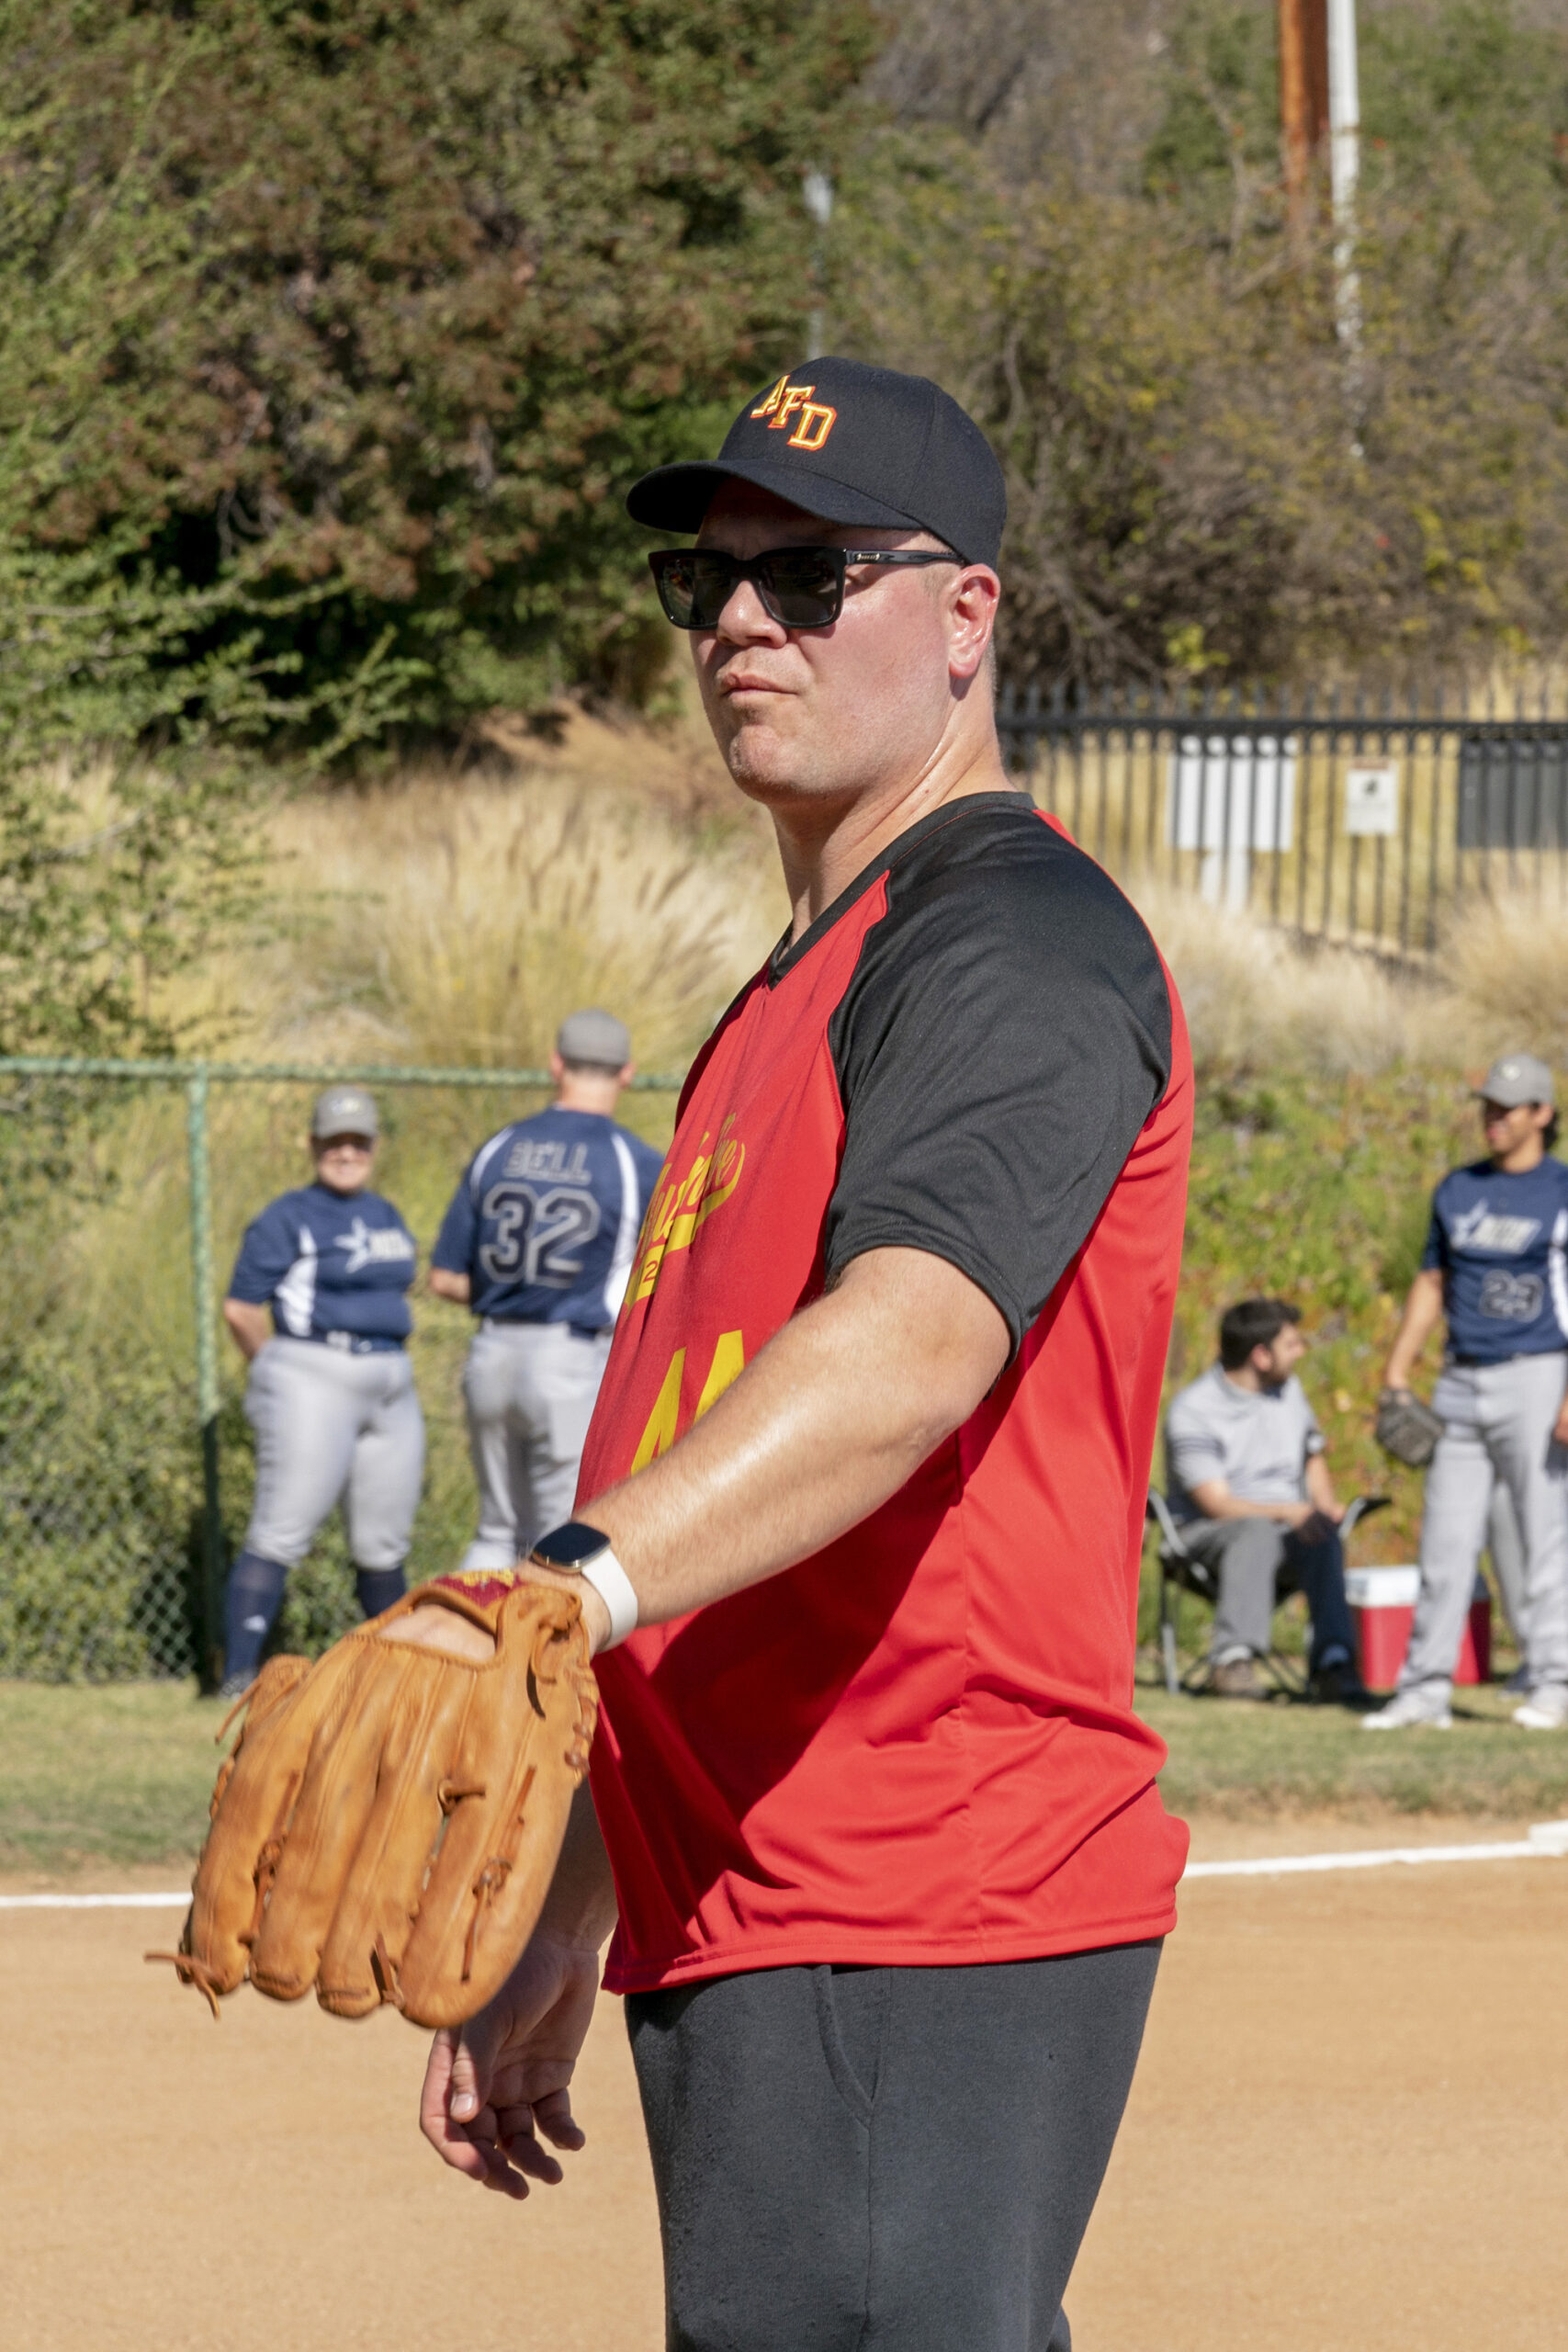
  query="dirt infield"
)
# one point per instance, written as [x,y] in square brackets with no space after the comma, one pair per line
[1351,2127]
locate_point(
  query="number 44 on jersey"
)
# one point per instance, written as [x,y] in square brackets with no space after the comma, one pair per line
[664,1421]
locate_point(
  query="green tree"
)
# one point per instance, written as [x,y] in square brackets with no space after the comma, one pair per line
[335,332]
[1199,481]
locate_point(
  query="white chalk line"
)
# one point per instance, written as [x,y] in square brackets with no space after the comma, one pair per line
[1546,1841]
[92,1902]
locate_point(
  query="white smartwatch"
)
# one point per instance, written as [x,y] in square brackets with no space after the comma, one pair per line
[585,1552]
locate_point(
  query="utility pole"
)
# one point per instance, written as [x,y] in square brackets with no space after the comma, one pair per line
[816,194]
[1304,107]
[1345,171]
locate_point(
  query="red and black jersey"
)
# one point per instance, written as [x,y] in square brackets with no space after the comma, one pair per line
[918,1745]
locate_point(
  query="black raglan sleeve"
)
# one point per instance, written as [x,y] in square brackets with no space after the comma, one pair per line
[1006,1035]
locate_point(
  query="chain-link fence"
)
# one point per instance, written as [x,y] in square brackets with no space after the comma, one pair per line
[125,1455]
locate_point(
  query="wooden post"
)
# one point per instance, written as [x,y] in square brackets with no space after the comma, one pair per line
[1304,106]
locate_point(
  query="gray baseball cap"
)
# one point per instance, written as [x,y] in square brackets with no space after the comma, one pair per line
[1515,1078]
[595,1037]
[345,1111]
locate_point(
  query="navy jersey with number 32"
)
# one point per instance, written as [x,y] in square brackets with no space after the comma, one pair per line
[1501,1243]
[545,1221]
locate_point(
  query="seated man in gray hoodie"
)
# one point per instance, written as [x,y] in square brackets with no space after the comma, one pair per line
[1251,1491]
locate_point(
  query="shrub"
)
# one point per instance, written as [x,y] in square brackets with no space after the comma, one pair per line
[99,1494]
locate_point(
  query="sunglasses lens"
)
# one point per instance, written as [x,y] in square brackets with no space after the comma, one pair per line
[675,580]
[802,587]
[714,578]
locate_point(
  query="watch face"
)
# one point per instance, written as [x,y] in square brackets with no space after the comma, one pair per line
[569,1546]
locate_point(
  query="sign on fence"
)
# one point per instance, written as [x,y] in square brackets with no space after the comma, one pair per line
[1372,800]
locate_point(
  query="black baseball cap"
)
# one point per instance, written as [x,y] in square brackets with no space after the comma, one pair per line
[852,444]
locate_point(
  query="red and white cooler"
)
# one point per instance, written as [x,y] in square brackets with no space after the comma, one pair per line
[1383,1610]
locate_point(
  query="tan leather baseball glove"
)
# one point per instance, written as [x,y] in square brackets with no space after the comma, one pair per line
[388,1823]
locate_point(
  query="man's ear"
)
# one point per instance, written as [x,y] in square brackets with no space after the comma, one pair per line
[976,595]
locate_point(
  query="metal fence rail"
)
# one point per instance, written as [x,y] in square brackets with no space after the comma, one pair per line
[1362,824]
[81,1539]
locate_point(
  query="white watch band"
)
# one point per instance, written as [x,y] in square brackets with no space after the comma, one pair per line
[614,1587]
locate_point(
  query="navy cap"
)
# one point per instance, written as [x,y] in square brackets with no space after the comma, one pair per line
[852,444]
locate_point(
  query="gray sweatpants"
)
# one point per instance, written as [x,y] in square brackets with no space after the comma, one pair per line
[334,1427]
[1498,1420]
[530,1390]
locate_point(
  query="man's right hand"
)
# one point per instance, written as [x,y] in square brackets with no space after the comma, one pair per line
[496,2088]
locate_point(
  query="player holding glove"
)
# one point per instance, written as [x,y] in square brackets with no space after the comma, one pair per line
[874,1817]
[1497,1265]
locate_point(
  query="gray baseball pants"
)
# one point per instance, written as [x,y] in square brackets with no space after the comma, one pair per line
[530,1390]
[1498,1420]
[1508,1553]
[334,1427]
[902,2159]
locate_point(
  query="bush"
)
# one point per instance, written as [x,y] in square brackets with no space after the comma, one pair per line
[99,1503]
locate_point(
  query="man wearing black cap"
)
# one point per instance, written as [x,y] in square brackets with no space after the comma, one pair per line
[860,1515]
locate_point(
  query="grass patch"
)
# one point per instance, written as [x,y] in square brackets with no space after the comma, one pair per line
[120,1773]
[1254,1762]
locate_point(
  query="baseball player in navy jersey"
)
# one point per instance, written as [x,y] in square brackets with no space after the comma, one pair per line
[539,1241]
[319,1307]
[1497,1265]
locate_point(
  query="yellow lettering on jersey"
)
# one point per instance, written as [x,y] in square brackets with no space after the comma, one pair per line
[728,1362]
[664,1419]
[681,1208]
[728,1162]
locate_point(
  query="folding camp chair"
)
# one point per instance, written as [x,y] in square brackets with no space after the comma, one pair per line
[1180,1572]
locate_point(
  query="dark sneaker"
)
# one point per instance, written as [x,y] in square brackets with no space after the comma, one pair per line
[1237,1679]
[1341,1686]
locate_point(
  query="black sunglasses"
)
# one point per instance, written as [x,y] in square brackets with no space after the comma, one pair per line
[800,587]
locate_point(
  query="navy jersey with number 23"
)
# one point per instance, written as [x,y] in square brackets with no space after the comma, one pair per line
[1501,1243]
[545,1218]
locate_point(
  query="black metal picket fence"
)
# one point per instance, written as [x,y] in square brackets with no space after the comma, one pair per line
[1347,819]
